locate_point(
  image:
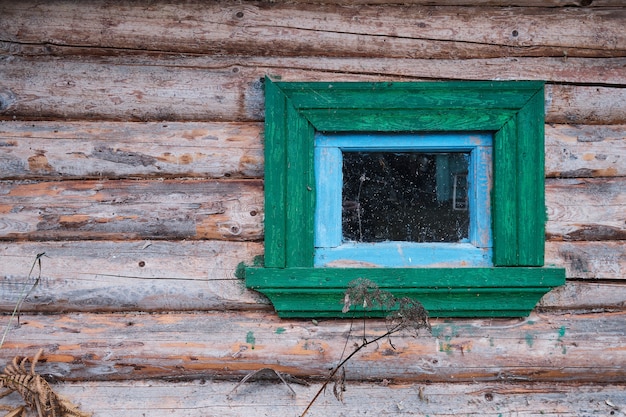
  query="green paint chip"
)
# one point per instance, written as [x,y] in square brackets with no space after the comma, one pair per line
[250,339]
[280,330]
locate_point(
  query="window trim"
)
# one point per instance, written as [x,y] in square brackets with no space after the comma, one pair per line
[513,110]
[329,247]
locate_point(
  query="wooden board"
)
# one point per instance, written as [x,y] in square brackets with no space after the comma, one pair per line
[256,28]
[589,209]
[126,209]
[578,209]
[119,276]
[200,89]
[92,276]
[72,150]
[585,151]
[595,260]
[269,397]
[541,348]
[122,150]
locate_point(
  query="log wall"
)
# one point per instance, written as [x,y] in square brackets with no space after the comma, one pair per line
[131,156]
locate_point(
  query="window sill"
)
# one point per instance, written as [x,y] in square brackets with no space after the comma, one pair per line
[444,292]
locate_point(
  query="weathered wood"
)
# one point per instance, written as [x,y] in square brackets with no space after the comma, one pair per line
[590,209]
[269,397]
[151,89]
[578,209]
[158,276]
[493,3]
[585,151]
[586,296]
[115,150]
[541,348]
[122,150]
[120,276]
[604,260]
[125,209]
[286,29]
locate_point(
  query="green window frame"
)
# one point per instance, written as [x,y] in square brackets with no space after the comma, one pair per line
[512,110]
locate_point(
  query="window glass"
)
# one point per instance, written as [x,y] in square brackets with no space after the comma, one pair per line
[405,196]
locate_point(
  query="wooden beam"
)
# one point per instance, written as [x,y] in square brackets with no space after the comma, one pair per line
[595,260]
[152,89]
[588,209]
[270,397]
[574,151]
[126,209]
[95,150]
[547,348]
[143,275]
[287,29]
[578,209]
[158,276]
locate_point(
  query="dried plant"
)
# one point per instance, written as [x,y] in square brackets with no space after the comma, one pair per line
[24,295]
[35,391]
[269,371]
[404,314]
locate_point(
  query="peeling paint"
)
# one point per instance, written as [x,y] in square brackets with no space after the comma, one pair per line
[250,339]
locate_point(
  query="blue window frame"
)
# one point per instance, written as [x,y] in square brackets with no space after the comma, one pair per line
[333,250]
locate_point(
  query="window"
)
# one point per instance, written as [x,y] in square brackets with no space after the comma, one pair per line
[403,200]
[303,274]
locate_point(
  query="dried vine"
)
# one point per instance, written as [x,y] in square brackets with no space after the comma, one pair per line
[35,391]
[408,314]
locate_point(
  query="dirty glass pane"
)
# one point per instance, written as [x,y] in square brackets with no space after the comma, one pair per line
[405,196]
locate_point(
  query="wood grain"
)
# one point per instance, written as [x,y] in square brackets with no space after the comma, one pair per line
[269,397]
[141,275]
[202,89]
[126,209]
[574,151]
[589,209]
[113,150]
[578,209]
[594,260]
[95,150]
[542,348]
[284,29]
[159,276]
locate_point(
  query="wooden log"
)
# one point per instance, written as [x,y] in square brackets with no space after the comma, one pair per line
[585,151]
[93,150]
[201,89]
[578,209]
[595,260]
[270,397]
[285,29]
[588,296]
[590,209]
[541,348]
[491,3]
[159,276]
[83,150]
[95,276]
[126,209]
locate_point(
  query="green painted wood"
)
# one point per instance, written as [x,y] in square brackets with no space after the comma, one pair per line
[300,189]
[512,110]
[531,179]
[475,292]
[385,120]
[403,95]
[504,208]
[275,176]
